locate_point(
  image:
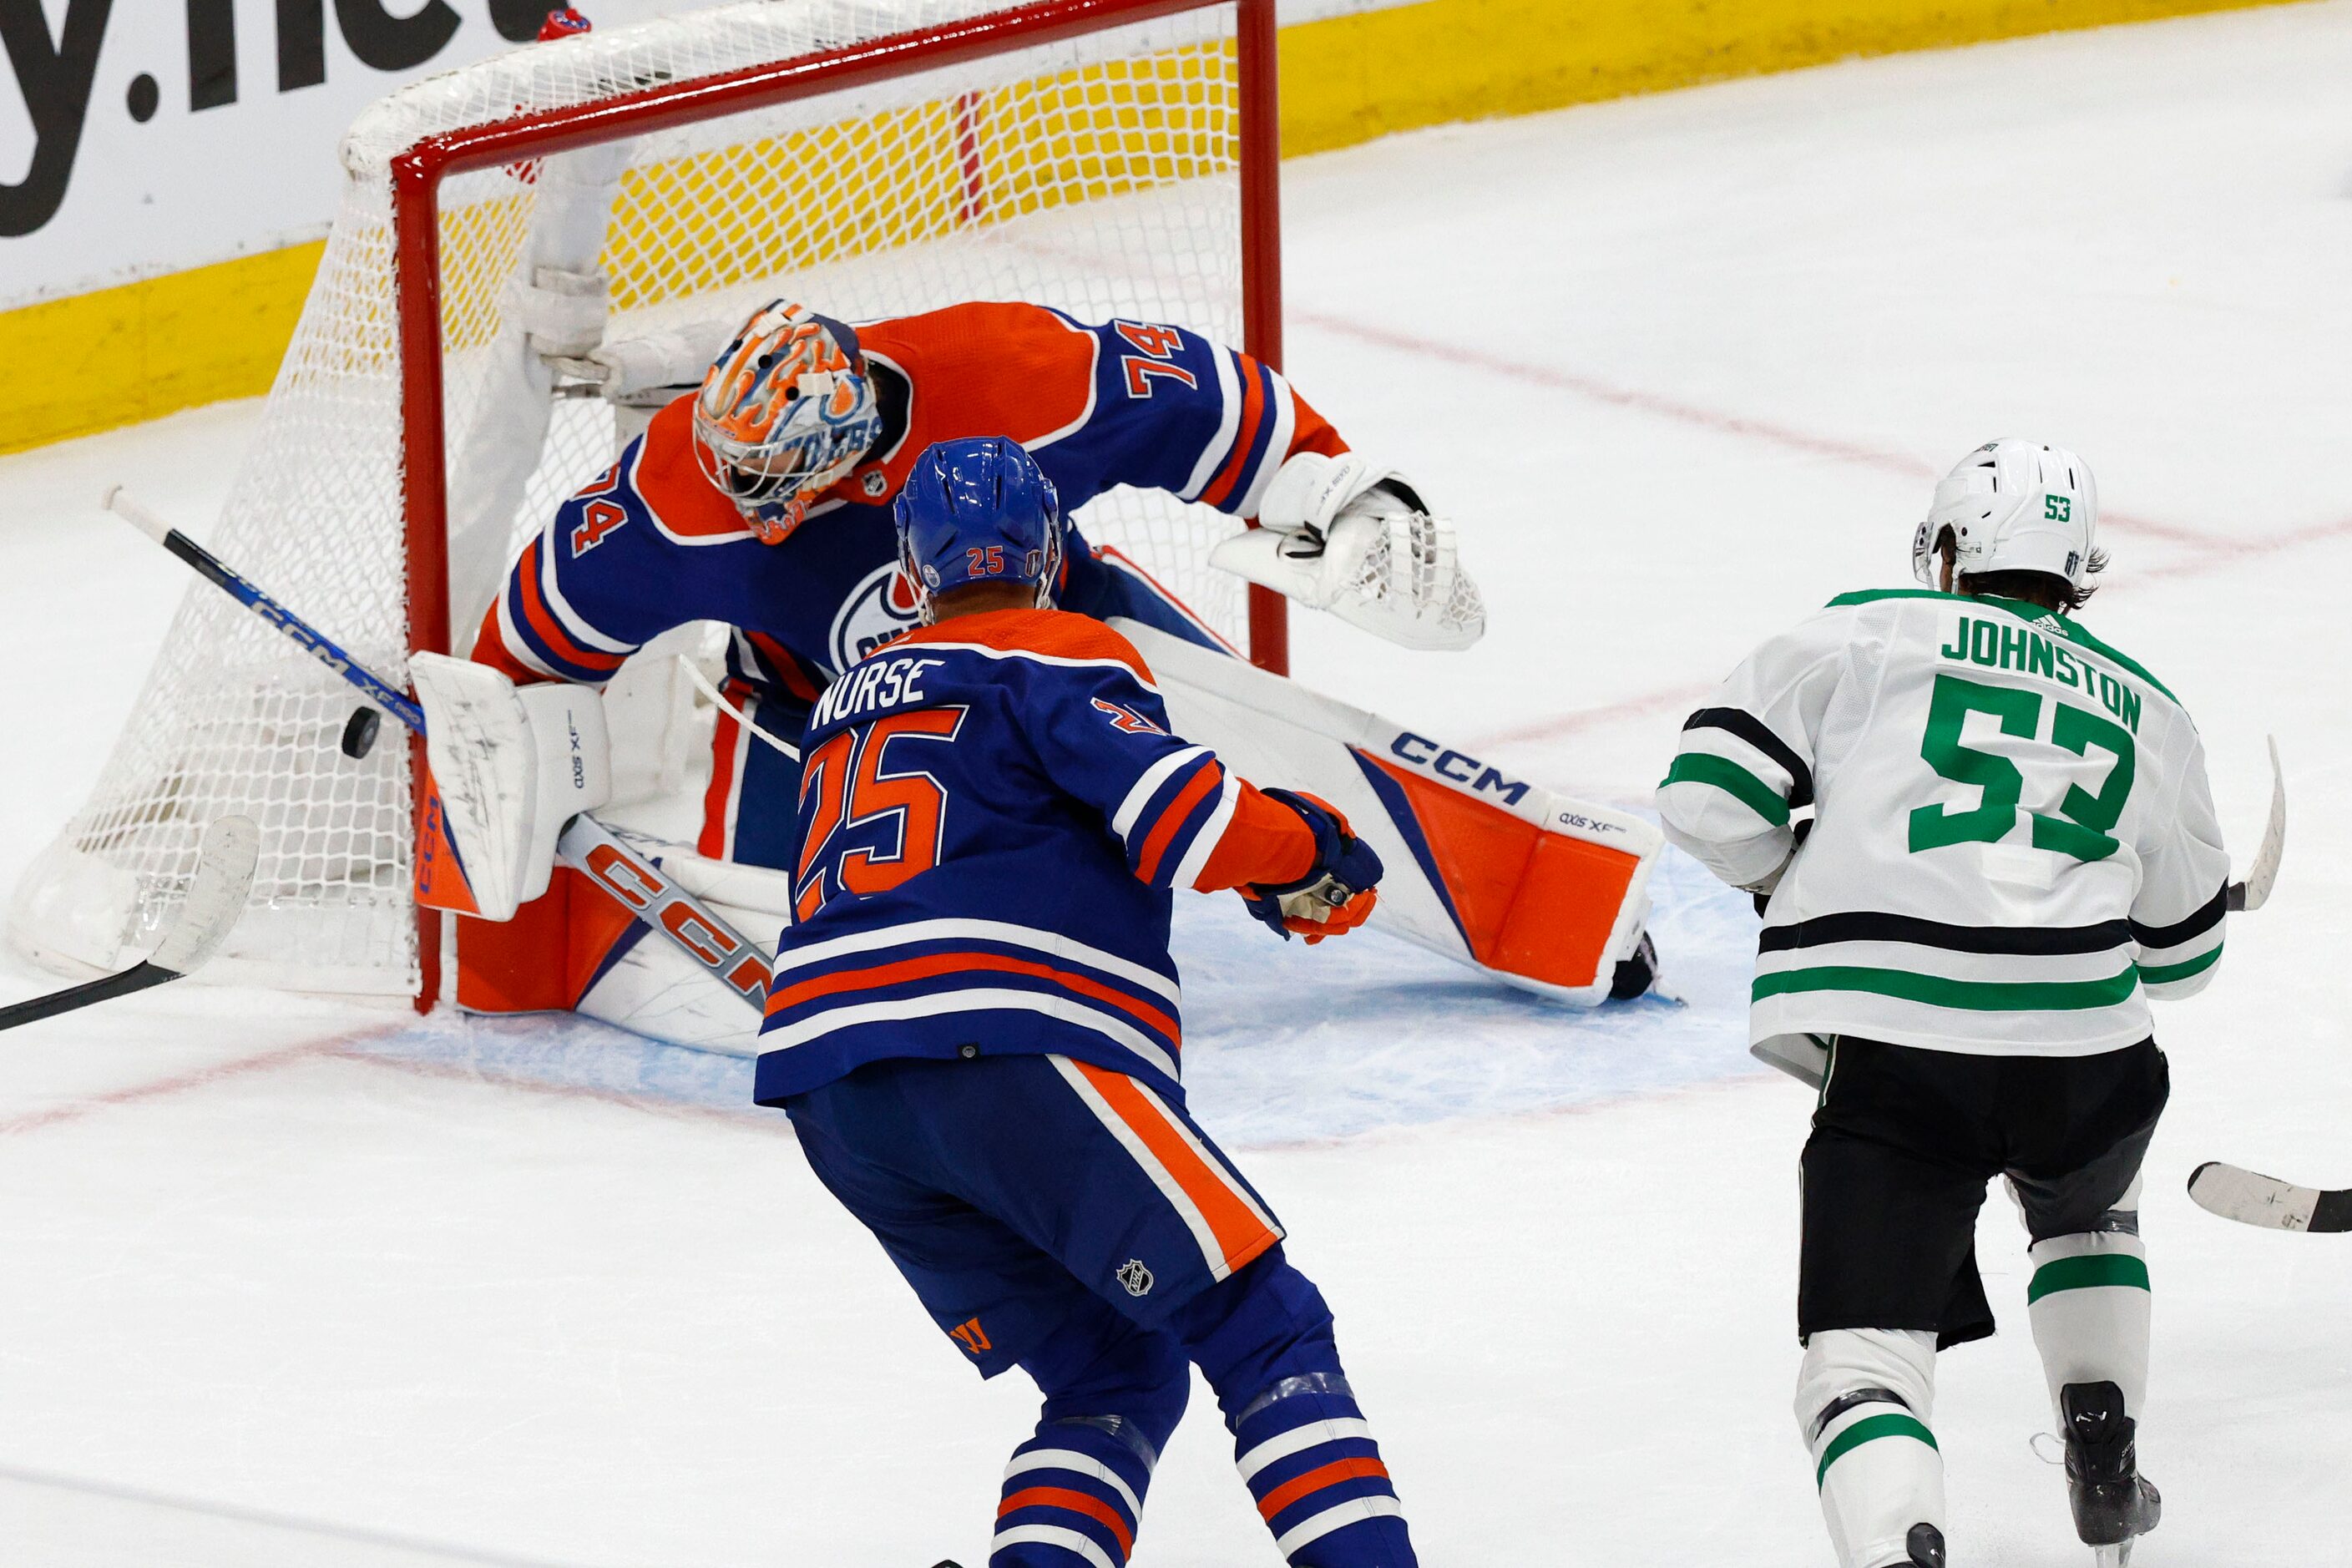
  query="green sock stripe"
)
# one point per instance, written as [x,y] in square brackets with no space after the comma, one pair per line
[1705,767]
[1894,1423]
[2087,1273]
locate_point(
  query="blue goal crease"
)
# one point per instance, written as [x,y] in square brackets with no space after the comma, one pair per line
[1284,1044]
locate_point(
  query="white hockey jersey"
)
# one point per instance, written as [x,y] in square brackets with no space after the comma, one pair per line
[2013,844]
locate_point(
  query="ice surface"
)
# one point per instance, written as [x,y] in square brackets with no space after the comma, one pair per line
[299,1281]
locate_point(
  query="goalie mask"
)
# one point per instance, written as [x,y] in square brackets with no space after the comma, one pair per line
[2012,506]
[978,510]
[784,414]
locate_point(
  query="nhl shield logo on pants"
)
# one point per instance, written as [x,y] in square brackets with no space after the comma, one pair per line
[1136,1276]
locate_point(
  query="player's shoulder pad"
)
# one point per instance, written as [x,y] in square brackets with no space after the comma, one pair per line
[2080,636]
[991,340]
[667,478]
[1873,596]
[1050,637]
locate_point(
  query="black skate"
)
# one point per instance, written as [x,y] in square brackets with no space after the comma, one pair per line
[1926,1545]
[1637,974]
[2112,1503]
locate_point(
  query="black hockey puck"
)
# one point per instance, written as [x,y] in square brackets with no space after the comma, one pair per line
[359,731]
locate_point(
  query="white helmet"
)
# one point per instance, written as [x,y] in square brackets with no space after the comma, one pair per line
[2012,506]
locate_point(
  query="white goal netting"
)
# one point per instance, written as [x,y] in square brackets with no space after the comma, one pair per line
[1097,175]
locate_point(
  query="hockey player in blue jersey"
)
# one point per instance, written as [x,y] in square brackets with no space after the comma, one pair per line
[974,1027]
[762,499]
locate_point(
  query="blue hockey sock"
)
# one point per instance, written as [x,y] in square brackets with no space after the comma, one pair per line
[1308,1458]
[1263,1340]
[1073,1492]
[1073,1496]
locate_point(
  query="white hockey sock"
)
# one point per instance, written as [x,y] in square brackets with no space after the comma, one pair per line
[2090,1305]
[1865,1397]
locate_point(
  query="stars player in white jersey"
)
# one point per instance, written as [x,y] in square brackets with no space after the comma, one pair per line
[2012,846]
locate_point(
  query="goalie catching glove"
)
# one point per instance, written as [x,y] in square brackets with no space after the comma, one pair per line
[1338,534]
[511,765]
[1337,893]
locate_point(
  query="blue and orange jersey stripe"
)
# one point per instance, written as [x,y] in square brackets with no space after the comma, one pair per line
[534,635]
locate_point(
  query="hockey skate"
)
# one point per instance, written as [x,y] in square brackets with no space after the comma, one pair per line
[1636,974]
[2113,1504]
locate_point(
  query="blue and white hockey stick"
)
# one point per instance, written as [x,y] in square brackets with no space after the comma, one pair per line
[209,566]
[586,844]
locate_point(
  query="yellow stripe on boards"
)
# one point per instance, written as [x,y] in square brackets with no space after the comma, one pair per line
[120,355]
[1351,79]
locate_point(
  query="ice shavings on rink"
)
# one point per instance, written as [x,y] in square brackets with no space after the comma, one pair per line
[1284,1043]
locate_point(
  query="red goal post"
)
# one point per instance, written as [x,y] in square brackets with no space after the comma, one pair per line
[531,254]
[418,172]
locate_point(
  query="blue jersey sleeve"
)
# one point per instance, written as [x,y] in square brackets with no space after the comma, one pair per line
[586,591]
[1174,411]
[1101,732]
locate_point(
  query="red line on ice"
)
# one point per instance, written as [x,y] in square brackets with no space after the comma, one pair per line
[1560,726]
[202,1078]
[765,1120]
[342,1048]
[1702,417]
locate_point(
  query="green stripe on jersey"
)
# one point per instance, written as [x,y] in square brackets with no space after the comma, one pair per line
[2158,974]
[1974,995]
[2087,1272]
[1894,1423]
[1707,768]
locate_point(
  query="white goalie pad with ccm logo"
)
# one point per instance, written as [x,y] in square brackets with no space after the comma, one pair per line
[511,765]
[1538,889]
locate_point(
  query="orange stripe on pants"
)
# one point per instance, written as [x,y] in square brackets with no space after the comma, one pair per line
[1240,1233]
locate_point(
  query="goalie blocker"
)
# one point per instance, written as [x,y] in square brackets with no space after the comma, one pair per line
[1536,888]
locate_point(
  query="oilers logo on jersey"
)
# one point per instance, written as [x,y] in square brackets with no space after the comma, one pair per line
[878,612]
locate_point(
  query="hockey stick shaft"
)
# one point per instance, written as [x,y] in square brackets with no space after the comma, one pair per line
[586,844]
[207,565]
[138,977]
[2255,890]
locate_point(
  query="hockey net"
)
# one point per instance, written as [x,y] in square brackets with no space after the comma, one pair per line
[870,157]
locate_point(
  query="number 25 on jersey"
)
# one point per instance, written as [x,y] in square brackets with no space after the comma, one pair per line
[880,817]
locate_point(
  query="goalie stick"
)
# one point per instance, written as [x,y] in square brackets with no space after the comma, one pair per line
[585,845]
[2235,1192]
[215,897]
[1805,1058]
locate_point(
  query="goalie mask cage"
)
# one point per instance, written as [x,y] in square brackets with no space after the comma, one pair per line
[1112,158]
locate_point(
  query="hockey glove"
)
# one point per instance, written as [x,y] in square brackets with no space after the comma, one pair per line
[1338,534]
[1337,893]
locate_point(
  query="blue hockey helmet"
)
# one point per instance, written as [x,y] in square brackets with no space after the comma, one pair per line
[978,509]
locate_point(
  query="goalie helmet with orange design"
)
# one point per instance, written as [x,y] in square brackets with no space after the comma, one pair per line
[784,414]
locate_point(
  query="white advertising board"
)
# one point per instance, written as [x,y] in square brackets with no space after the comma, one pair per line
[144,136]
[139,137]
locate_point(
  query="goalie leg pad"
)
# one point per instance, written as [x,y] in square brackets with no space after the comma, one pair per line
[509,767]
[1544,891]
